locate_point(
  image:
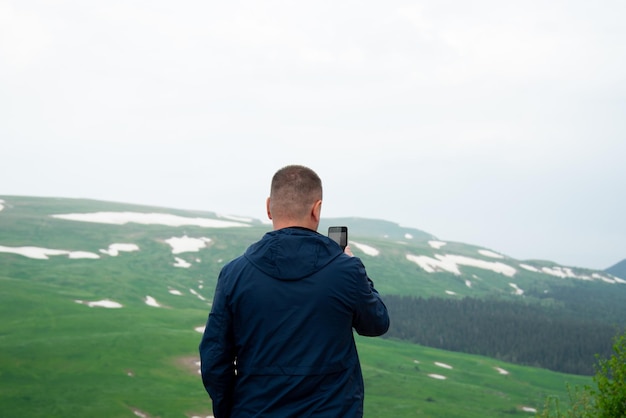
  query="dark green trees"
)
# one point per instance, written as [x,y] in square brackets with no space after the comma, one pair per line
[606,400]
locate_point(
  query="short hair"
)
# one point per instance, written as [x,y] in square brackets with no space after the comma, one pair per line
[294,189]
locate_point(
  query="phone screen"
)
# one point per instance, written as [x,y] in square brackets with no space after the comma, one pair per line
[339,234]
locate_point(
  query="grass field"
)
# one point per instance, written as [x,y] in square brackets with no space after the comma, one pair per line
[64,359]
[60,358]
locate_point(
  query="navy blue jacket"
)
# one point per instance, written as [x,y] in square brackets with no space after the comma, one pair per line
[278,341]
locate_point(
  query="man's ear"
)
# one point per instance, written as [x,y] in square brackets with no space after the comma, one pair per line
[267,207]
[316,213]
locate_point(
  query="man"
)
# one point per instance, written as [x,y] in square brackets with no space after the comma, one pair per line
[278,341]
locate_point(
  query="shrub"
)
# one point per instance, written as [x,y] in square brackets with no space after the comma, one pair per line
[610,379]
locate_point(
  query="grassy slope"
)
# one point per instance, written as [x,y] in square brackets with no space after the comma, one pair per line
[398,386]
[59,358]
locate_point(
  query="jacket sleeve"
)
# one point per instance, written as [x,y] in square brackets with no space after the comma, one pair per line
[370,317]
[217,355]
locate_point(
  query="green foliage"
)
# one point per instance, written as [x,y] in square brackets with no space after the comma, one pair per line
[580,400]
[610,379]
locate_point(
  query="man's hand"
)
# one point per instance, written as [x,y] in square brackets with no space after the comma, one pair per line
[348,251]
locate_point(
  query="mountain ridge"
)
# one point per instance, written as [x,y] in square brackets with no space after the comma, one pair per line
[618,269]
[358,226]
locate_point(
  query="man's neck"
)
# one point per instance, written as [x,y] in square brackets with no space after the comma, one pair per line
[294,224]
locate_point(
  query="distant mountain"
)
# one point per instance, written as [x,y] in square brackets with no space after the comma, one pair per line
[375,228]
[618,270]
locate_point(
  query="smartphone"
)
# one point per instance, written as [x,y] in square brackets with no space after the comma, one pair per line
[339,234]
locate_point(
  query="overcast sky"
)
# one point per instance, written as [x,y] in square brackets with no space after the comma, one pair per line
[499,124]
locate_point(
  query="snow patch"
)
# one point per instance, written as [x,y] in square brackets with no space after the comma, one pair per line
[193,292]
[529,409]
[437,376]
[122,218]
[39,253]
[150,301]
[450,292]
[444,365]
[431,265]
[530,268]
[558,271]
[618,280]
[501,371]
[451,263]
[236,218]
[32,252]
[181,263]
[1,204]
[598,276]
[436,244]
[518,291]
[186,244]
[115,249]
[468,283]
[199,329]
[140,414]
[83,254]
[408,236]
[366,248]
[491,254]
[175,292]
[568,272]
[105,303]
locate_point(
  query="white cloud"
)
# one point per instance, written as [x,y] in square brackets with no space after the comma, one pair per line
[23,38]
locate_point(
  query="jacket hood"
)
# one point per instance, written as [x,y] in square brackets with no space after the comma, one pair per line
[292,253]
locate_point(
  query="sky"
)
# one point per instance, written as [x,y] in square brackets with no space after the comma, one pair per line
[498,124]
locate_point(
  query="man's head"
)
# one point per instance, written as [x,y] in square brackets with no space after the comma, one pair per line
[295,198]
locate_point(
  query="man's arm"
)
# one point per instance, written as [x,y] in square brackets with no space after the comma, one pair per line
[371,317]
[217,355]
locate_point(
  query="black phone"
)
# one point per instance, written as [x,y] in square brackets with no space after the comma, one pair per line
[339,234]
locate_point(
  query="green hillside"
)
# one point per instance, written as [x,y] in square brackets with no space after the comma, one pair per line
[102,319]
[64,359]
